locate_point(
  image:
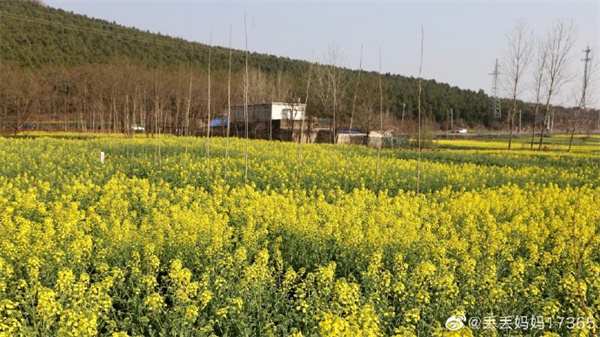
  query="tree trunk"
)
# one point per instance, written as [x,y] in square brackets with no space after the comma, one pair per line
[510,126]
[533,127]
[571,138]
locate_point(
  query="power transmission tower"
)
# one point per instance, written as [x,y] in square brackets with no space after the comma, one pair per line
[587,60]
[586,80]
[495,99]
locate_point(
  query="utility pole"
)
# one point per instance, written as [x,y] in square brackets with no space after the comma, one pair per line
[519,120]
[451,118]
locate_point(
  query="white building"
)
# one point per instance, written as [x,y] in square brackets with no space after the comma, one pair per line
[275,111]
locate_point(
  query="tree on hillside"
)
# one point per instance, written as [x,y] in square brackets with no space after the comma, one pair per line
[517,61]
[39,2]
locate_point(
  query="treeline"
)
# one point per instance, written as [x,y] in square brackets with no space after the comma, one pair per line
[107,97]
[95,72]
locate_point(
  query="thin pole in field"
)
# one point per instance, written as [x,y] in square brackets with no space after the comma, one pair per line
[352,118]
[189,102]
[246,80]
[208,109]
[228,109]
[380,121]
[302,124]
[419,112]
[187,110]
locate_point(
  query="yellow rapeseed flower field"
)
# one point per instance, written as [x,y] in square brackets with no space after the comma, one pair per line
[155,242]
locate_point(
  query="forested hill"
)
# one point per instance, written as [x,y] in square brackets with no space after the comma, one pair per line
[34,37]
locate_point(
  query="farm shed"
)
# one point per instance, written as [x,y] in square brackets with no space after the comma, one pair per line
[275,111]
[275,120]
[351,137]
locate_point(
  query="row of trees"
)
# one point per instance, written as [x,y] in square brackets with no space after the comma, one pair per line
[542,65]
[115,97]
[118,96]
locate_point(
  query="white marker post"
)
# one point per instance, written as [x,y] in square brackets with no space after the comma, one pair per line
[102,157]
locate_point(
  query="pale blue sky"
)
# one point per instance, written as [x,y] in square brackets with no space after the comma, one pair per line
[462,39]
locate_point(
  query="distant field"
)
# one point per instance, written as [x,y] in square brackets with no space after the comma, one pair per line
[164,240]
[553,143]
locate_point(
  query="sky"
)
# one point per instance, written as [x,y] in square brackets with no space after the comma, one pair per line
[461,39]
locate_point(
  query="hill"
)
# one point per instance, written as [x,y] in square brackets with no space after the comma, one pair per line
[56,49]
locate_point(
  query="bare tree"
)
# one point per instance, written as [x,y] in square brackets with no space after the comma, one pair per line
[541,58]
[285,92]
[517,61]
[329,85]
[370,104]
[21,96]
[259,89]
[559,42]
